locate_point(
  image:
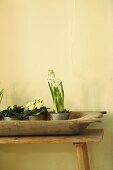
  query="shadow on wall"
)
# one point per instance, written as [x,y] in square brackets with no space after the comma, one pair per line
[104,149]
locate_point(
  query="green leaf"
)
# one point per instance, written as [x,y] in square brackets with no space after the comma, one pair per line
[1,95]
[55,102]
[51,90]
[62,90]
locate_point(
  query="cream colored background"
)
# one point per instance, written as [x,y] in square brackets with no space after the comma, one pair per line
[74,37]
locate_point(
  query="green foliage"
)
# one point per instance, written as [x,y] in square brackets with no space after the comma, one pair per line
[13,112]
[34,112]
[57,93]
[1,95]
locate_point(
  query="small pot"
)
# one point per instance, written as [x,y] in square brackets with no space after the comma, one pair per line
[8,118]
[58,116]
[39,117]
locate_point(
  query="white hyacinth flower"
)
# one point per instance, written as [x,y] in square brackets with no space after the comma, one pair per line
[57,92]
[51,74]
[52,78]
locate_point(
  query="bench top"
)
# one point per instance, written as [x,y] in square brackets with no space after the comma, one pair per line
[89,135]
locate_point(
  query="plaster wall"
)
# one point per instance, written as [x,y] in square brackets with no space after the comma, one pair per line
[76,39]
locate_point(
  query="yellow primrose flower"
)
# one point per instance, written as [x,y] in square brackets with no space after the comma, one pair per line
[37,99]
[38,105]
[11,107]
[30,105]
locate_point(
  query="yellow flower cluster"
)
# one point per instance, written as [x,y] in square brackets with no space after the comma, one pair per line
[36,104]
[11,107]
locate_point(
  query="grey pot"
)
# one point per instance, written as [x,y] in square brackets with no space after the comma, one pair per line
[58,116]
[39,117]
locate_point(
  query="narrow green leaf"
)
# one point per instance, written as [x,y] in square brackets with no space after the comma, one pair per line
[1,95]
[62,90]
[55,100]
[52,90]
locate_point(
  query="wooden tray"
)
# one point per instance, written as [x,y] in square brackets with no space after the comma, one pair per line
[77,122]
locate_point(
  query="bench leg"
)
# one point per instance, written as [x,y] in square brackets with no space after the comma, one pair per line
[82,156]
[85,156]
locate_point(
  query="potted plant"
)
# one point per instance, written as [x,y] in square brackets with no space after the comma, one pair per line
[35,110]
[13,113]
[57,92]
[1,96]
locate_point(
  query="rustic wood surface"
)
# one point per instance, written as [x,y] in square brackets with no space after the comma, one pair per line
[82,156]
[89,135]
[79,153]
[85,156]
[77,122]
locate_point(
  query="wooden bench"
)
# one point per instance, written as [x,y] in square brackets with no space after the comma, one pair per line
[89,135]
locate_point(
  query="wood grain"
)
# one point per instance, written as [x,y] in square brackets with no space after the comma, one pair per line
[75,125]
[79,153]
[89,135]
[85,156]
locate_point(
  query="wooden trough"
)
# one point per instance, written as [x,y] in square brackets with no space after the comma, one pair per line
[77,122]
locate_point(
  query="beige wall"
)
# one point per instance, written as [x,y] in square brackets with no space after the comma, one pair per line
[74,37]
